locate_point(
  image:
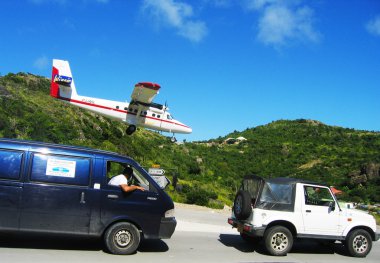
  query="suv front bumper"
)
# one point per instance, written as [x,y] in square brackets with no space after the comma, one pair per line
[246,228]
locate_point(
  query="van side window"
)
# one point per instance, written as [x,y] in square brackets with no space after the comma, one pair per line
[59,169]
[116,168]
[10,164]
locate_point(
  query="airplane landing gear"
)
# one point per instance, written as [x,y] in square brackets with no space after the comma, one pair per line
[173,139]
[131,129]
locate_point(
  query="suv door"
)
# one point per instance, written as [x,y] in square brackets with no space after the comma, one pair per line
[57,198]
[139,207]
[319,216]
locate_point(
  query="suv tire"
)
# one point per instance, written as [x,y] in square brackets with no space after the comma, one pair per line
[242,205]
[278,240]
[359,243]
[122,238]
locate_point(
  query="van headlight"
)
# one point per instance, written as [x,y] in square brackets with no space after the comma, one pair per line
[169,213]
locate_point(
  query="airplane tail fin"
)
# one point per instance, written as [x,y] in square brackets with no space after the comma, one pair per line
[62,81]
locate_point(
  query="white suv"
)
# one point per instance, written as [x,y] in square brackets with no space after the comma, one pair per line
[282,209]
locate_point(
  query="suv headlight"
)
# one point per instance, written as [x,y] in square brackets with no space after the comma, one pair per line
[169,213]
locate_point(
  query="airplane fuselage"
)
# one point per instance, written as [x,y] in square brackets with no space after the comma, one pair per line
[150,117]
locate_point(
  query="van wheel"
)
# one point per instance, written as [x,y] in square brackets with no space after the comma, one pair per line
[359,243]
[122,238]
[242,205]
[278,240]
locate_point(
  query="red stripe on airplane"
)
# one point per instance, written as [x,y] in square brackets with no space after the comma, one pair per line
[54,87]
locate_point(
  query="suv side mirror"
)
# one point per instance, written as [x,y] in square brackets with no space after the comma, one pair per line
[332,206]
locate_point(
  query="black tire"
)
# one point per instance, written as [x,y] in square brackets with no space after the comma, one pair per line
[359,243]
[122,238]
[131,129]
[278,240]
[242,205]
[250,239]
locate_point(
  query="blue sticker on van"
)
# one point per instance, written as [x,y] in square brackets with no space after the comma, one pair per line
[61,169]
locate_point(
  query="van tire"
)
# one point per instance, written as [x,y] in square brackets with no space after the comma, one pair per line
[359,243]
[278,240]
[242,205]
[122,238]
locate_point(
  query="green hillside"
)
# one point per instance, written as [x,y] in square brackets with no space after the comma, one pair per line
[208,172]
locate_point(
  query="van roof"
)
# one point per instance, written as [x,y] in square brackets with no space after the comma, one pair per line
[59,146]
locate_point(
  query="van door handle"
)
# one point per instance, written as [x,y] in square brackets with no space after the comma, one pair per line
[308,211]
[82,201]
[113,196]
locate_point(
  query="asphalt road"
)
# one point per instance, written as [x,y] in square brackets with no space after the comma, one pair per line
[202,235]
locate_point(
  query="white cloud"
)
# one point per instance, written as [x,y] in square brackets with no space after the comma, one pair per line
[373,26]
[178,15]
[41,63]
[281,23]
[258,4]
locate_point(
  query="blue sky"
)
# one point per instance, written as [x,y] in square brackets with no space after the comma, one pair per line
[223,65]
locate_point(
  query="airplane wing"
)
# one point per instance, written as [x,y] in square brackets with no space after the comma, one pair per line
[144,92]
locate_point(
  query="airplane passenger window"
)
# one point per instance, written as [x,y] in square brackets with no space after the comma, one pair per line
[153,115]
[158,116]
[117,107]
[169,117]
[125,108]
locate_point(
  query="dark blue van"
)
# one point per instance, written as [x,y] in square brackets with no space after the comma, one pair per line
[49,188]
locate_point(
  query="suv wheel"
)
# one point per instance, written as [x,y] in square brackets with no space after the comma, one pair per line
[122,238]
[359,243]
[242,205]
[278,240]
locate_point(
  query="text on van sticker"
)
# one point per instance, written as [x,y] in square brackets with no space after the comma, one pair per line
[62,168]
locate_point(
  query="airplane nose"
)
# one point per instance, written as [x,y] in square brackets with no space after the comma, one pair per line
[182,128]
[188,130]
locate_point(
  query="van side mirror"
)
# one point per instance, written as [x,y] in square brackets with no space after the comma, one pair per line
[162,181]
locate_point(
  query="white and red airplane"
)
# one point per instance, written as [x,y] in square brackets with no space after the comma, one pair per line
[141,111]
